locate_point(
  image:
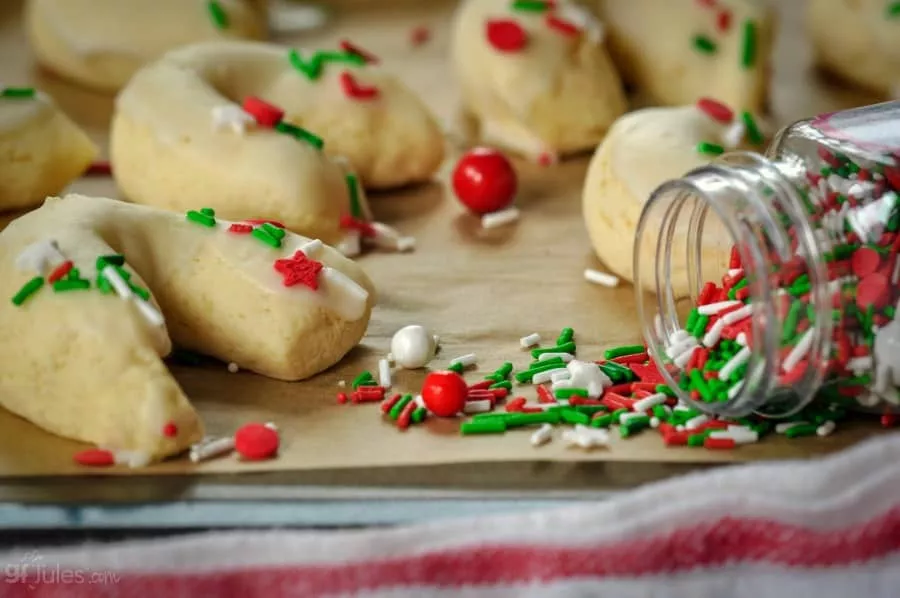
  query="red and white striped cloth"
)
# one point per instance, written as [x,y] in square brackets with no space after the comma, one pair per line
[827,528]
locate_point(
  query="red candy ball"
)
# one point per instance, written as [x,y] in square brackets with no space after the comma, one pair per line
[255,442]
[444,393]
[485,181]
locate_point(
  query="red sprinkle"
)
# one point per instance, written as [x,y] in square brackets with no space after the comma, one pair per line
[716,110]
[719,443]
[388,404]
[99,169]
[735,258]
[170,430]
[499,393]
[342,398]
[95,458]
[865,261]
[546,159]
[675,439]
[351,223]
[723,20]
[636,358]
[368,394]
[347,46]
[638,386]
[544,395]
[873,290]
[241,229]
[258,221]
[420,36]
[647,373]
[255,442]
[483,385]
[60,271]
[888,420]
[506,35]
[516,404]
[263,112]
[406,415]
[561,25]
[706,293]
[352,88]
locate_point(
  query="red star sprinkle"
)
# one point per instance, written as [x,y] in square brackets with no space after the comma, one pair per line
[299,270]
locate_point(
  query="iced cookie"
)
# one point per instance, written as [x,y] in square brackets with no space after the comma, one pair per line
[101,43]
[678,51]
[535,76]
[99,290]
[643,150]
[41,150]
[865,48]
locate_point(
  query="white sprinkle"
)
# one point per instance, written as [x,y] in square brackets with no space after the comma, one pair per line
[649,402]
[682,359]
[745,436]
[678,336]
[711,309]
[601,278]
[560,375]
[231,116]
[679,428]
[738,314]
[233,368]
[859,365]
[561,384]
[500,218]
[783,427]
[547,375]
[350,245]
[531,340]
[586,438]
[742,339]
[384,373]
[658,326]
[696,422]
[681,346]
[133,459]
[469,359]
[585,20]
[734,390]
[714,333]
[478,406]
[627,417]
[799,352]
[342,383]
[312,247]
[150,313]
[868,399]
[542,435]
[654,422]
[213,448]
[38,256]
[566,357]
[419,401]
[733,135]
[826,429]
[118,283]
[271,426]
[739,359]
[406,244]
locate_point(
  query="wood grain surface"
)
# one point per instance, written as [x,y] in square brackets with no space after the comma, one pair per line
[479,290]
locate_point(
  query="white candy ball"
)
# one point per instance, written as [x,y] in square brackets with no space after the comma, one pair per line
[413,347]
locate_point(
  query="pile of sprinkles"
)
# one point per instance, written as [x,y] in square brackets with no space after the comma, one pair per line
[705,44]
[624,391]
[737,132]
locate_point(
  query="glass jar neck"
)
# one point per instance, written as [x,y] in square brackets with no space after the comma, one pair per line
[746,207]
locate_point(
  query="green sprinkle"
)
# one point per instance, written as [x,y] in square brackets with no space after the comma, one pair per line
[567,393]
[748,45]
[791,321]
[419,415]
[110,260]
[301,134]
[700,326]
[362,379]
[487,426]
[353,188]
[617,372]
[458,367]
[604,421]
[589,409]
[692,319]
[618,413]
[622,351]
[558,361]
[634,425]
[660,412]
[493,377]
[504,384]
[217,14]
[504,370]
[705,45]
[530,5]
[401,404]
[696,440]
[568,347]
[18,93]
[313,69]
[565,336]
[103,285]
[699,384]
[140,292]
[517,420]
[753,133]
[201,219]
[665,390]
[28,289]
[573,416]
[61,286]
[261,234]
[801,430]
[710,149]
[893,10]
[274,231]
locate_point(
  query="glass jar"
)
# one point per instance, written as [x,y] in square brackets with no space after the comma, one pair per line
[798,302]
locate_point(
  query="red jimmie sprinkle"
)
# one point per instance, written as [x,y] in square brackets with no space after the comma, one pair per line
[723,20]
[170,430]
[352,88]
[483,385]
[255,442]
[351,223]
[561,25]
[516,404]
[60,271]
[544,395]
[342,398]
[240,229]
[347,46]
[719,443]
[506,35]
[406,415]
[419,36]
[99,169]
[258,221]
[716,110]
[388,404]
[264,113]
[95,458]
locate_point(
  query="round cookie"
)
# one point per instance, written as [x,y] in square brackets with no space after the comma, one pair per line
[536,82]
[82,356]
[677,51]
[41,149]
[101,43]
[864,49]
[644,149]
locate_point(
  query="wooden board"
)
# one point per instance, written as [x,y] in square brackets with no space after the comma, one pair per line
[479,290]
